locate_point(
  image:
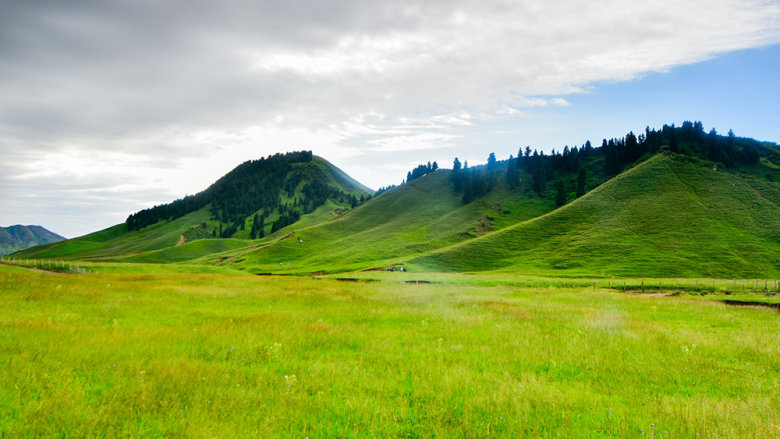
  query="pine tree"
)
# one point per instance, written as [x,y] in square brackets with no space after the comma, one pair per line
[581,178]
[457,175]
[560,196]
[512,173]
[491,161]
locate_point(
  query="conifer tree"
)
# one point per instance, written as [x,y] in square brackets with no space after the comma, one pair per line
[581,178]
[560,196]
[456,165]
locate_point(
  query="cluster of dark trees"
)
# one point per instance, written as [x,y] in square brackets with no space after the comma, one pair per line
[252,185]
[285,220]
[384,189]
[258,227]
[477,181]
[421,170]
[689,139]
[255,185]
[614,155]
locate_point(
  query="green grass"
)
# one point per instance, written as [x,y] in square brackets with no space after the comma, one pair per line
[187,251]
[223,355]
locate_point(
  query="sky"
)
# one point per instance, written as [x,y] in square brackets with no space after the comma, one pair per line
[109,107]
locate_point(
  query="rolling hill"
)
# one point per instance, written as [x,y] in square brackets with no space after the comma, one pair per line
[258,196]
[667,216]
[676,202]
[19,237]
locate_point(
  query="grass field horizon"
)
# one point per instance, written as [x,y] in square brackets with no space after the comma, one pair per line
[234,355]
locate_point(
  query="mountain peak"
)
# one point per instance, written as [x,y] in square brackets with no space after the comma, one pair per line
[19,237]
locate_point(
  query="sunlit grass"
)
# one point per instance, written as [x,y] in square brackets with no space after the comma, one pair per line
[221,355]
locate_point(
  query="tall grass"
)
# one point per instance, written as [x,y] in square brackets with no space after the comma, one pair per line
[218,355]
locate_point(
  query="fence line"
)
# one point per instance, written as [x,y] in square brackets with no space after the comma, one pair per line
[46,264]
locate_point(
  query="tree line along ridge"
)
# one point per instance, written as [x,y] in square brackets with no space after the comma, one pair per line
[280,188]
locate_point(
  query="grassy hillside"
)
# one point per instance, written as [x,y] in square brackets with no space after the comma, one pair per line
[118,241]
[666,217]
[420,216]
[196,234]
[671,203]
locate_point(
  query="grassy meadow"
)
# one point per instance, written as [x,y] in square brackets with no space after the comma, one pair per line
[221,354]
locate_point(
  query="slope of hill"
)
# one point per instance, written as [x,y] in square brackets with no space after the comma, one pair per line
[18,237]
[673,202]
[281,193]
[666,217]
[417,217]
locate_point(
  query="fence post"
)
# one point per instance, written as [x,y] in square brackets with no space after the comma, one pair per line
[643,286]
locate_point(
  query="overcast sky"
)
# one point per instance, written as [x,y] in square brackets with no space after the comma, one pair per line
[108,107]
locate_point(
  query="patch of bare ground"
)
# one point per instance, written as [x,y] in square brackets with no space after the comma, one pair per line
[752,304]
[485,225]
[658,294]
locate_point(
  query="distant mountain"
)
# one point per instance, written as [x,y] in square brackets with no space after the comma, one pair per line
[18,237]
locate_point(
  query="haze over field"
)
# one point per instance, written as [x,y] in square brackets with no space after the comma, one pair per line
[108,107]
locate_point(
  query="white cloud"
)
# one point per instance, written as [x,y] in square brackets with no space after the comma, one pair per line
[413,142]
[174,95]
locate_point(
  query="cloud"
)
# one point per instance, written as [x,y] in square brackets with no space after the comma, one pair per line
[137,88]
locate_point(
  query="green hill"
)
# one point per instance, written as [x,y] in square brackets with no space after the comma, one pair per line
[683,203]
[295,187]
[676,202]
[667,217]
[420,216]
